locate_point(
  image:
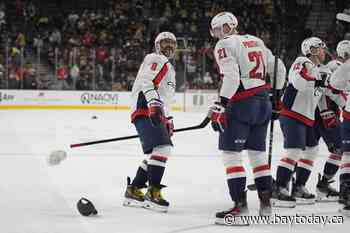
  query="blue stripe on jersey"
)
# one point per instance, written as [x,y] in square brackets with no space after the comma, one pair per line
[289,96]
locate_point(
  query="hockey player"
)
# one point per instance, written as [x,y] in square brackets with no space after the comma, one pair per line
[340,80]
[152,93]
[305,88]
[327,126]
[242,114]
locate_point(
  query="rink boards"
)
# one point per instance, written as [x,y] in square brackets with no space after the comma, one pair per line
[94,100]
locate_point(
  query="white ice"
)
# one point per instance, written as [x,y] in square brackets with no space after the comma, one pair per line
[36,198]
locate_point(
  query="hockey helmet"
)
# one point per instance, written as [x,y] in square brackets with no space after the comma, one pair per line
[86,208]
[218,22]
[343,49]
[312,42]
[165,43]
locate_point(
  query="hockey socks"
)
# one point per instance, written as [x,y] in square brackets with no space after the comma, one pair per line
[236,187]
[141,175]
[156,169]
[332,166]
[303,171]
[283,176]
[235,173]
[261,170]
[156,164]
[345,167]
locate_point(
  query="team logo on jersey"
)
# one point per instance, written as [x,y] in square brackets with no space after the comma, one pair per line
[171,84]
[240,141]
[318,91]
[154,66]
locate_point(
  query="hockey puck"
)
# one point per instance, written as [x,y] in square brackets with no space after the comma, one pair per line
[86,208]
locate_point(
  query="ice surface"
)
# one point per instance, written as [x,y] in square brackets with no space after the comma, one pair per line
[36,198]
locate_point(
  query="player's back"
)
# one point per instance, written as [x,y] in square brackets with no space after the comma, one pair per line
[251,57]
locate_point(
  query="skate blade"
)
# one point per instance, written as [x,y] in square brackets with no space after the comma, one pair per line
[237,222]
[327,199]
[282,204]
[321,197]
[133,203]
[152,206]
[302,201]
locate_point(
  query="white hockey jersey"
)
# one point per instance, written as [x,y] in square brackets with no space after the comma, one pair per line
[331,100]
[340,80]
[301,97]
[155,80]
[334,64]
[243,62]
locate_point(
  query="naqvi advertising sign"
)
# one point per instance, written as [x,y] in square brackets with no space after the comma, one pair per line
[99,98]
[39,99]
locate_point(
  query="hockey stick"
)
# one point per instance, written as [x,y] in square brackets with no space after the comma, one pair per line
[203,124]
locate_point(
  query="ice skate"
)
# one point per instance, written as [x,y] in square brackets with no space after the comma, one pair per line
[134,197]
[344,198]
[154,199]
[302,195]
[233,216]
[324,192]
[281,198]
[265,203]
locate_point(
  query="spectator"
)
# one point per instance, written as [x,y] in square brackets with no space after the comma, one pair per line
[207,79]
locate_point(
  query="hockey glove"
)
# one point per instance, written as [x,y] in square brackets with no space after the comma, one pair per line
[156,112]
[330,119]
[169,125]
[276,105]
[218,117]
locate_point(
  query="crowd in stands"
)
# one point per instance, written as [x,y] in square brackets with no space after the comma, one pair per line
[101,49]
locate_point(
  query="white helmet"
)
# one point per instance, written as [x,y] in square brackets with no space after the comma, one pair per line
[311,42]
[343,48]
[166,52]
[218,22]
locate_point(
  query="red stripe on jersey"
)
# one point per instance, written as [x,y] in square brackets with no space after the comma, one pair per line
[160,75]
[230,170]
[346,115]
[345,165]
[304,74]
[297,116]
[342,94]
[307,161]
[332,88]
[335,157]
[265,167]
[336,91]
[249,92]
[159,158]
[139,112]
[289,161]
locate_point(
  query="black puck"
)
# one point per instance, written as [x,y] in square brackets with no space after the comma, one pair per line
[86,208]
